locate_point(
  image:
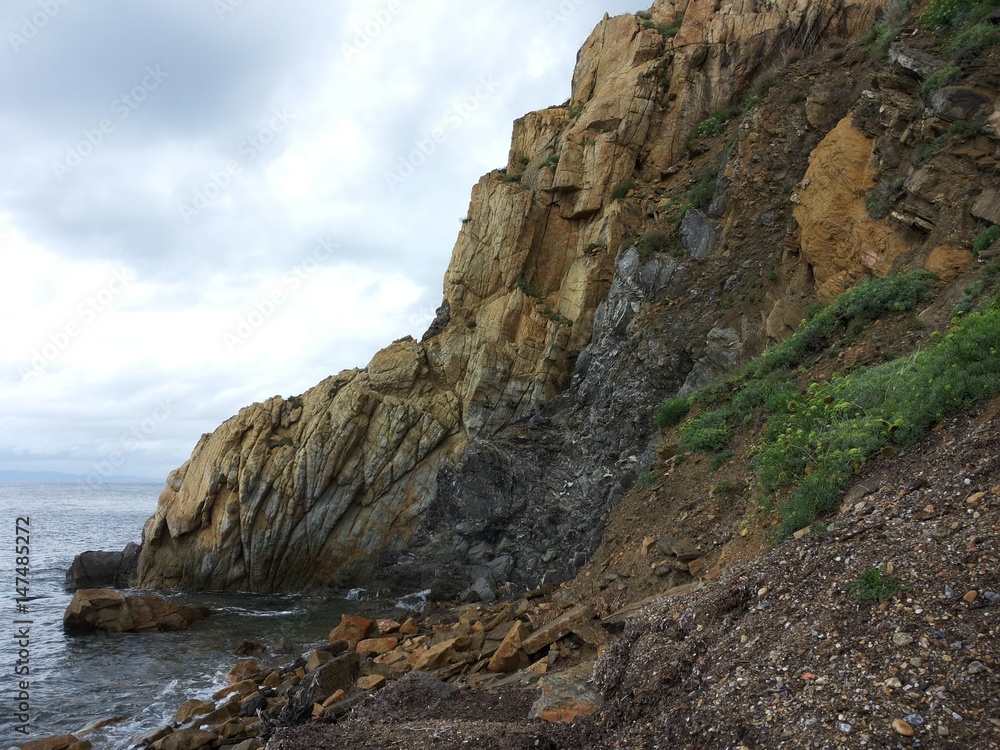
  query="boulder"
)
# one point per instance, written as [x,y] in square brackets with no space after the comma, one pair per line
[58,742]
[949,262]
[699,234]
[565,697]
[377,645]
[509,656]
[557,628]
[107,609]
[91,570]
[338,674]
[186,739]
[352,629]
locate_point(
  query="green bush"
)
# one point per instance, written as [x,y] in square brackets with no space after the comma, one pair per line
[973,37]
[719,458]
[939,79]
[985,239]
[671,412]
[708,431]
[654,241]
[527,289]
[879,203]
[827,433]
[669,30]
[647,478]
[701,194]
[875,584]
[622,189]
[710,126]
[941,13]
[858,305]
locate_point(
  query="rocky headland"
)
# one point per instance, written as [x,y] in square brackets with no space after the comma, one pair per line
[581,459]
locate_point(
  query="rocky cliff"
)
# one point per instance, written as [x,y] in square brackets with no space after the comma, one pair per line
[590,280]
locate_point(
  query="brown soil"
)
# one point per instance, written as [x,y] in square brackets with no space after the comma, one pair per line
[777,653]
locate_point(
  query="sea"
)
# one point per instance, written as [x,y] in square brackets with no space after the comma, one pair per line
[137,680]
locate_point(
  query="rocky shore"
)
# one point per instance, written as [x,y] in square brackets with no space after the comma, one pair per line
[789,650]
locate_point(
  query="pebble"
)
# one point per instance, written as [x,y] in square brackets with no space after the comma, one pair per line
[902,728]
[970,597]
[902,639]
[976,667]
[844,727]
[915,720]
[943,731]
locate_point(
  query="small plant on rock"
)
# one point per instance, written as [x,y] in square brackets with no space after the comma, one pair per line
[622,189]
[985,240]
[647,478]
[875,584]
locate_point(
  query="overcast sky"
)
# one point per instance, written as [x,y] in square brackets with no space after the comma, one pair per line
[204,203]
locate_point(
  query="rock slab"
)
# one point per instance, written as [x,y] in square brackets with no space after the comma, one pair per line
[107,609]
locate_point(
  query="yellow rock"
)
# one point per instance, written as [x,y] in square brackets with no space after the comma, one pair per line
[839,239]
[949,262]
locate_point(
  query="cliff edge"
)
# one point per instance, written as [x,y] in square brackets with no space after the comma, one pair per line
[586,285]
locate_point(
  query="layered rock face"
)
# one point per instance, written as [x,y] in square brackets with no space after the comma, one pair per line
[490,451]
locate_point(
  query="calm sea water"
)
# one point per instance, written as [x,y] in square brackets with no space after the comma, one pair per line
[76,680]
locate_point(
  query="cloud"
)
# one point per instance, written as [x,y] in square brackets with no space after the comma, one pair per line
[197,204]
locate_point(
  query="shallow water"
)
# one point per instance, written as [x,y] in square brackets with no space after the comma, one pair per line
[76,680]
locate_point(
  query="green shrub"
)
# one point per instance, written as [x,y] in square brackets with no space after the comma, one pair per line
[654,241]
[708,431]
[939,79]
[285,441]
[648,24]
[671,412]
[941,13]
[710,126]
[719,458]
[701,194]
[973,38]
[875,584]
[622,189]
[828,432]
[647,478]
[857,306]
[527,289]
[669,30]
[985,239]
[879,203]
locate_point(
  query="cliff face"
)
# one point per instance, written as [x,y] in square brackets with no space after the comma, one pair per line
[491,450]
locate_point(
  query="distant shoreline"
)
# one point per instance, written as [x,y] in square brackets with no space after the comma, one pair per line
[57,477]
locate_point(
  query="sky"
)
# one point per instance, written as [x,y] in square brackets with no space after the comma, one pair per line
[206,203]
